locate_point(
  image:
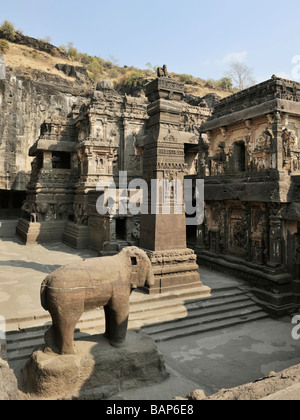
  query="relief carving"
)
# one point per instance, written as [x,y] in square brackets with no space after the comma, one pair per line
[80,214]
[238,232]
[290,151]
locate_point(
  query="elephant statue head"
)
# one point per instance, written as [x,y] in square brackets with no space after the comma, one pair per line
[140,267]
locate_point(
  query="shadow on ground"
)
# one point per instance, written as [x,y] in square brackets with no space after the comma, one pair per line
[43,268]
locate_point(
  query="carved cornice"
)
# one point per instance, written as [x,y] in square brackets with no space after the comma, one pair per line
[164,88]
[275,88]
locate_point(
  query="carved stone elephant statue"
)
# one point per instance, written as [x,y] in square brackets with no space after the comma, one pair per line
[96,282]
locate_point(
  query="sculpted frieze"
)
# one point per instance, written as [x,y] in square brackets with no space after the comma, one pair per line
[290,150]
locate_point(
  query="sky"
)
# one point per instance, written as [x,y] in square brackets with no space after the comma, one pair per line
[194,37]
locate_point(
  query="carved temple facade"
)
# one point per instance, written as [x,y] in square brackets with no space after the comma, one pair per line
[247,151]
[102,138]
[249,158]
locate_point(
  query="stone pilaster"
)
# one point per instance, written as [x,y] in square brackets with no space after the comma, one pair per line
[163,234]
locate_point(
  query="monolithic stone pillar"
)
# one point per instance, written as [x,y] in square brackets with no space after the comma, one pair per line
[163,232]
[277,141]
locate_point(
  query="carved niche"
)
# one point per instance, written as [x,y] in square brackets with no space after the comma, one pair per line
[238,232]
[258,238]
[260,156]
[215,215]
[290,151]
[217,163]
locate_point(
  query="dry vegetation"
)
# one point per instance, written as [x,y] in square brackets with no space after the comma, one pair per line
[131,80]
[26,58]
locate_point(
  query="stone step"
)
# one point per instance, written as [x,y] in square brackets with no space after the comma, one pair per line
[162,316]
[21,344]
[138,299]
[164,332]
[221,323]
[32,337]
[138,311]
[202,316]
[23,350]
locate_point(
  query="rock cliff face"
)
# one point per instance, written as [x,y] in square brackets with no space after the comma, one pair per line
[38,44]
[26,100]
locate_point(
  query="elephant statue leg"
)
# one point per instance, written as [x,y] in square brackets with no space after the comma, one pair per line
[61,334]
[51,338]
[107,321]
[116,324]
[66,337]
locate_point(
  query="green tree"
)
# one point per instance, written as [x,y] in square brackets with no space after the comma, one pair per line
[226,83]
[72,51]
[94,69]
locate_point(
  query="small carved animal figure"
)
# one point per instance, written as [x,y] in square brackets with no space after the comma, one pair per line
[96,282]
[162,71]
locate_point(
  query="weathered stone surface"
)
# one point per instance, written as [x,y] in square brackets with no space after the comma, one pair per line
[101,137]
[97,371]
[2,68]
[25,103]
[197,395]
[97,282]
[275,386]
[250,161]
[76,236]
[73,71]
[173,270]
[8,383]
[49,232]
[163,234]
[104,85]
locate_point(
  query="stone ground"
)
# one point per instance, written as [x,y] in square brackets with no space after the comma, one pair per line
[221,359]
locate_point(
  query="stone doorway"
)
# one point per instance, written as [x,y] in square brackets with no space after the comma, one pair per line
[121,229]
[11,203]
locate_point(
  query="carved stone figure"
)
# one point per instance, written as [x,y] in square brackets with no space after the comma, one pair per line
[96,282]
[162,71]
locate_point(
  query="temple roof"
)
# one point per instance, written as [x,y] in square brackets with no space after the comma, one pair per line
[275,94]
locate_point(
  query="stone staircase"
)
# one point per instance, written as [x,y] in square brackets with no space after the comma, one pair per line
[164,317]
[226,308]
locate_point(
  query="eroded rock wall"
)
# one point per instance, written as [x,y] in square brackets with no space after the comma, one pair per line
[26,100]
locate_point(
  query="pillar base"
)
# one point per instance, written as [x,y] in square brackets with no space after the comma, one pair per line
[173,270]
[76,236]
[44,232]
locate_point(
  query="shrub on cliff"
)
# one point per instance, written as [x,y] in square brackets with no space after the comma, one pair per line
[185,78]
[8,31]
[4,46]
[225,84]
[132,83]
[94,69]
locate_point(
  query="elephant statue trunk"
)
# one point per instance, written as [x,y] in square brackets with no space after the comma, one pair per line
[97,282]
